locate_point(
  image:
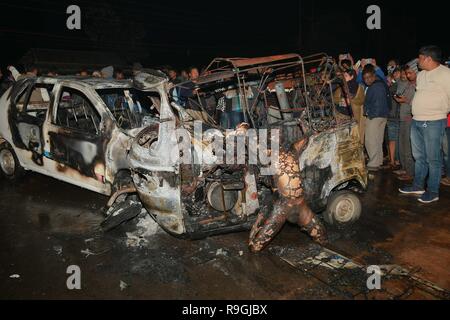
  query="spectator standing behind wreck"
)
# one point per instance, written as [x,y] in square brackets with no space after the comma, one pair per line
[173,76]
[355,100]
[31,72]
[446,181]
[184,75]
[392,66]
[193,74]
[446,145]
[378,72]
[430,108]
[395,83]
[233,113]
[186,90]
[136,69]
[346,61]
[404,96]
[118,74]
[376,110]
[185,94]
[107,72]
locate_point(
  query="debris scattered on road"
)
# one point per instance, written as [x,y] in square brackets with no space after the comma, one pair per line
[58,250]
[135,241]
[14,276]
[123,285]
[146,227]
[88,253]
[221,252]
[149,226]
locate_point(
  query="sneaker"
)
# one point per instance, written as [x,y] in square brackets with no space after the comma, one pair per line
[445,181]
[428,198]
[411,190]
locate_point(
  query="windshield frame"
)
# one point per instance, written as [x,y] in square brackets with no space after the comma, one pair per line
[123,89]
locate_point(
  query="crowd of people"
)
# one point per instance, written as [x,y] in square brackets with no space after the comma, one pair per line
[407,110]
[404,109]
[10,74]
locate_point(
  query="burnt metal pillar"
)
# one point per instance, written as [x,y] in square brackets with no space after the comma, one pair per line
[283,101]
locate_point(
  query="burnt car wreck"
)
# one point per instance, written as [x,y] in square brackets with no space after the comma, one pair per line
[319,165]
[139,143]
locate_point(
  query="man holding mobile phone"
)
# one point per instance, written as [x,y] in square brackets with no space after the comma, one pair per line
[378,72]
[405,97]
[346,61]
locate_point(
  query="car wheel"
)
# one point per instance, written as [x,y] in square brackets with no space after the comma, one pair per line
[344,208]
[9,164]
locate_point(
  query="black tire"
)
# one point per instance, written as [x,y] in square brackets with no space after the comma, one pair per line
[343,209]
[122,179]
[10,167]
[126,210]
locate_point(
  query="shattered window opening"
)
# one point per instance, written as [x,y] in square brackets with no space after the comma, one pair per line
[34,100]
[39,101]
[75,111]
[132,108]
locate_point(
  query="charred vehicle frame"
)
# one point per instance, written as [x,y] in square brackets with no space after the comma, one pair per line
[73,129]
[123,139]
[321,162]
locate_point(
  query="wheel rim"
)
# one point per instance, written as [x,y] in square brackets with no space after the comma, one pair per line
[7,162]
[345,210]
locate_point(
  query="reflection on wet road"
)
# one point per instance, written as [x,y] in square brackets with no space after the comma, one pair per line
[46,225]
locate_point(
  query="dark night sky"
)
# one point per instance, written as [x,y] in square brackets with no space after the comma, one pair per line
[193,32]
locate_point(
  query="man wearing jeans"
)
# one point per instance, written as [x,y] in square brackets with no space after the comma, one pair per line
[405,97]
[446,146]
[376,109]
[430,107]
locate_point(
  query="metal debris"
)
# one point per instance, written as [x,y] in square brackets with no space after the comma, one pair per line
[58,250]
[146,227]
[123,285]
[335,261]
[221,252]
[87,252]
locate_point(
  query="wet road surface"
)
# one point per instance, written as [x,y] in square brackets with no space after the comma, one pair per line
[47,225]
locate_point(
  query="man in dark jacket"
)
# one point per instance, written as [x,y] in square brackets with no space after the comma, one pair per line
[376,110]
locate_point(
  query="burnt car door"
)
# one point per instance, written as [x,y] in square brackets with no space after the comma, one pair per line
[75,137]
[30,102]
